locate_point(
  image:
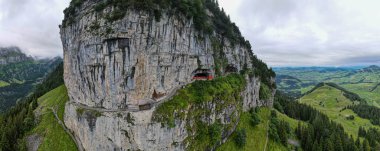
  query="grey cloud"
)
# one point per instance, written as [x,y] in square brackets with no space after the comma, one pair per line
[282,32]
[310,32]
[32,25]
[361,60]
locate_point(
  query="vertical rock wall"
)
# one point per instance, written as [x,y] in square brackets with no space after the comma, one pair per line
[111,69]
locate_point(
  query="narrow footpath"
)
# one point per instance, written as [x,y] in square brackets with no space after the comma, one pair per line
[266,142]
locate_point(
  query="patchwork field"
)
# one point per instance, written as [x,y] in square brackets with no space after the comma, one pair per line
[362,81]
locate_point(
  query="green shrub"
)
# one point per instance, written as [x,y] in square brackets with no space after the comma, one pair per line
[80,111]
[240,138]
[200,92]
[264,93]
[191,103]
[254,119]
[215,132]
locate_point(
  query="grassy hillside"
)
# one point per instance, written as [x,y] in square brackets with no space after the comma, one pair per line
[52,133]
[256,137]
[366,91]
[331,101]
[292,122]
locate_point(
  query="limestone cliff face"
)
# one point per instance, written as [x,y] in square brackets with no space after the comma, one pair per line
[118,73]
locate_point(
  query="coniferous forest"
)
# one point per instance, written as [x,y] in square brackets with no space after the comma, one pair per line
[20,118]
[322,134]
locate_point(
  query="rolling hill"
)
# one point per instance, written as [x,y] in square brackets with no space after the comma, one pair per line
[333,102]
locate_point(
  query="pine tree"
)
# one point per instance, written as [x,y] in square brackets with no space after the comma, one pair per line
[366,146]
[316,147]
[4,143]
[309,142]
[329,145]
[255,120]
[283,129]
[376,146]
[357,143]
[350,145]
[338,143]
[362,132]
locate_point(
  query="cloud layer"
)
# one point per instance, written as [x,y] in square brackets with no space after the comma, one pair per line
[32,25]
[283,32]
[310,32]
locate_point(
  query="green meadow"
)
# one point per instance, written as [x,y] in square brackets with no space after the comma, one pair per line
[52,133]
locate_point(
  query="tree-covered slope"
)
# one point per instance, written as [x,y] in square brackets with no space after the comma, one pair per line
[20,119]
[256,137]
[324,133]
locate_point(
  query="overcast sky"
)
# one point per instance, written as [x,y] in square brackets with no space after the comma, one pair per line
[282,32]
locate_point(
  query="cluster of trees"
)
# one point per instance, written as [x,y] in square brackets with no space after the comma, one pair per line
[321,134]
[191,9]
[262,70]
[265,93]
[240,138]
[10,94]
[371,137]
[226,88]
[18,120]
[254,118]
[279,130]
[368,112]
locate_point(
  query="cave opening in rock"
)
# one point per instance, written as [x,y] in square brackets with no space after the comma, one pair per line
[231,69]
[143,107]
[203,74]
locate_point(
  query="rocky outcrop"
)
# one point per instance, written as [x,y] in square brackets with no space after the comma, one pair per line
[117,73]
[141,56]
[12,55]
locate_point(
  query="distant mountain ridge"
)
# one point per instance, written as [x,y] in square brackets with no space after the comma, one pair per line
[12,55]
[372,68]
